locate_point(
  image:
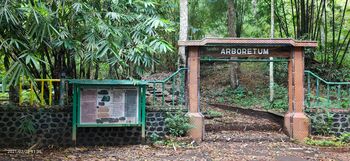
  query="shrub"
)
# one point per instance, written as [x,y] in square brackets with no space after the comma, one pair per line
[345,137]
[322,125]
[213,113]
[27,125]
[324,142]
[177,123]
[221,100]
[154,137]
[4,96]
[281,98]
[342,140]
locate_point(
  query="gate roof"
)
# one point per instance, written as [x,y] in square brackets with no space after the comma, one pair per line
[248,42]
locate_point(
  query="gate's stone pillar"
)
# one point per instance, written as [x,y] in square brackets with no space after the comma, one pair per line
[296,122]
[196,118]
[289,115]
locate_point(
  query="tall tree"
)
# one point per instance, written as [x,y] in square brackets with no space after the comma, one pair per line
[105,39]
[231,26]
[272,33]
[231,18]
[183,28]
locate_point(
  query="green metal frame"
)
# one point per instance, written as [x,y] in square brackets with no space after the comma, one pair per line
[78,84]
[180,73]
[328,85]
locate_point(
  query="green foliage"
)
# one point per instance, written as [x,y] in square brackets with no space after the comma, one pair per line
[331,74]
[8,107]
[322,125]
[26,97]
[345,137]
[344,103]
[281,98]
[154,137]
[250,21]
[173,143]
[27,125]
[342,140]
[324,102]
[238,96]
[324,142]
[4,96]
[108,39]
[260,97]
[280,73]
[177,123]
[212,113]
[239,92]
[328,24]
[221,99]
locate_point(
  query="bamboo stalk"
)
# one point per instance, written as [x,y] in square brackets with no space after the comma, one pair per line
[50,92]
[31,101]
[42,101]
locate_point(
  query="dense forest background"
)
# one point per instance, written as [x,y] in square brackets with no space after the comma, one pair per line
[124,39]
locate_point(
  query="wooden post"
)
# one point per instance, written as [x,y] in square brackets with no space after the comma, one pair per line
[196,118]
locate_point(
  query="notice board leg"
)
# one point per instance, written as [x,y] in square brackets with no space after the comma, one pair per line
[143,137]
[74,135]
[74,119]
[143,114]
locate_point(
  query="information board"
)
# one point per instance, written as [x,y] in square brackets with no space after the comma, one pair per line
[108,105]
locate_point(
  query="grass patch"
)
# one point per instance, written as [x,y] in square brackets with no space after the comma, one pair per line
[4,96]
[258,98]
[212,114]
[324,143]
[340,141]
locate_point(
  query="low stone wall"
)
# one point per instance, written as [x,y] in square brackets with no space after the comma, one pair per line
[50,127]
[55,128]
[155,123]
[338,121]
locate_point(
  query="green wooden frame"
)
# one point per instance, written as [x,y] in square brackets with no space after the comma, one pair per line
[141,88]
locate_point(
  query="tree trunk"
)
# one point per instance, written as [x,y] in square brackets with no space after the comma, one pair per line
[323,35]
[13,94]
[272,92]
[110,72]
[43,66]
[88,72]
[183,29]
[254,4]
[97,68]
[231,26]
[231,18]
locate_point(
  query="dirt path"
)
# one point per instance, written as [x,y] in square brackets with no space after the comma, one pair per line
[224,145]
[232,119]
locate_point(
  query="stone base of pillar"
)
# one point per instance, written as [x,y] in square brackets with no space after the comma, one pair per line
[197,120]
[287,123]
[300,126]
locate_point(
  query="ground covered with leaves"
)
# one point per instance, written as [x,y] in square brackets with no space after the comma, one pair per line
[223,145]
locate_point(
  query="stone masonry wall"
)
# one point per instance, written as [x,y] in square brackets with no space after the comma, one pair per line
[339,122]
[155,123]
[55,128]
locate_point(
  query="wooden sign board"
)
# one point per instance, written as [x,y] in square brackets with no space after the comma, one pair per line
[232,51]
